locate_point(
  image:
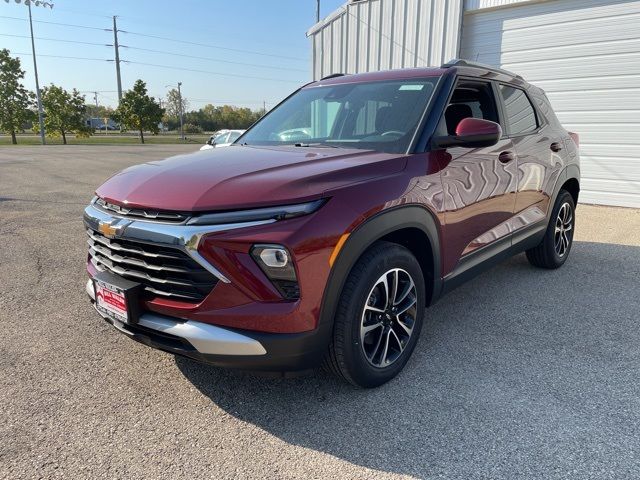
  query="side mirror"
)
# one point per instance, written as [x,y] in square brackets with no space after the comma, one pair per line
[471,133]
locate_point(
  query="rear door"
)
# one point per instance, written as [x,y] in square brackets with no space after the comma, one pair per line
[538,147]
[479,183]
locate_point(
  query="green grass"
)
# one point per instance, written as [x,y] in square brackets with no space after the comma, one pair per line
[109,139]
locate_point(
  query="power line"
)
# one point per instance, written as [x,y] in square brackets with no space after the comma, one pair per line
[186,42]
[64,56]
[255,65]
[56,40]
[57,23]
[383,34]
[157,37]
[215,59]
[156,24]
[222,74]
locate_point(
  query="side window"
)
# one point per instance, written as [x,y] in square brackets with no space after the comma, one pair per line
[521,115]
[470,99]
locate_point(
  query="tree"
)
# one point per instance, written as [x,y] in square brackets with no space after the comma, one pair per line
[98,111]
[15,100]
[138,111]
[213,118]
[64,112]
[172,103]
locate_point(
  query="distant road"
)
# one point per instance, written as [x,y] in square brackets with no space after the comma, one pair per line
[111,138]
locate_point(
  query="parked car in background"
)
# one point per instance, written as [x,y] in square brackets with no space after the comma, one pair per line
[284,254]
[222,138]
[98,123]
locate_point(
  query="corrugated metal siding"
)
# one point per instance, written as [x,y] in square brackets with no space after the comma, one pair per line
[586,55]
[384,34]
[483,4]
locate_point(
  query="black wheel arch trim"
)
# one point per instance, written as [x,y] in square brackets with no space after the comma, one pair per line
[570,172]
[365,235]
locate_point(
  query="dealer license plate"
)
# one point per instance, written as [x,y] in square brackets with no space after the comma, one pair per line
[111,301]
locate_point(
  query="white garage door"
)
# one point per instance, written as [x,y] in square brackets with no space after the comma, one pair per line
[586,55]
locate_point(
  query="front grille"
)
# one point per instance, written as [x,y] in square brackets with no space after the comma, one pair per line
[139,213]
[163,271]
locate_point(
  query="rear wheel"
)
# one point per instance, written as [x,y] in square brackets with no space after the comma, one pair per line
[554,248]
[379,316]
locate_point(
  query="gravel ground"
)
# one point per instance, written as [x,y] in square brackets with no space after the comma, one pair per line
[521,373]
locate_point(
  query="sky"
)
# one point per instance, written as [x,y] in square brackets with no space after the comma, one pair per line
[248,52]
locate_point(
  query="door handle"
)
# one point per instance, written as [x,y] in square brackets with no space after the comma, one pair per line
[506,157]
[555,147]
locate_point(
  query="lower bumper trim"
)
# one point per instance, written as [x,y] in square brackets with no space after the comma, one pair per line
[205,338]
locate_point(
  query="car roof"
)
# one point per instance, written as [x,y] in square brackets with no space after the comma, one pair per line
[398,74]
[453,67]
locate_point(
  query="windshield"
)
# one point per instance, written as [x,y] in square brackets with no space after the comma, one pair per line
[380,116]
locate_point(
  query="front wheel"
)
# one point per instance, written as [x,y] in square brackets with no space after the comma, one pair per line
[554,248]
[379,316]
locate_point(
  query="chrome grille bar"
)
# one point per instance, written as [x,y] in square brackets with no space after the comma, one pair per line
[118,247]
[162,270]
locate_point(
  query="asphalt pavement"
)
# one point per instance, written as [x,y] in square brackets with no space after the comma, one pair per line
[520,373]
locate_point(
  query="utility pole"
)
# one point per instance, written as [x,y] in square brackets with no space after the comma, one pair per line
[317,11]
[35,69]
[180,101]
[117,49]
[95,97]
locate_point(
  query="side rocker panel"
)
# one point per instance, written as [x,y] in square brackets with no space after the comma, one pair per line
[518,242]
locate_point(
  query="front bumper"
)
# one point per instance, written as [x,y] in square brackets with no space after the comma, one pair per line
[225,347]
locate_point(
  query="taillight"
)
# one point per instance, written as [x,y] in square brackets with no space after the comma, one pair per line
[576,138]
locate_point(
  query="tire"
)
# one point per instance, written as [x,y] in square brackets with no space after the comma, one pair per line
[360,352]
[554,248]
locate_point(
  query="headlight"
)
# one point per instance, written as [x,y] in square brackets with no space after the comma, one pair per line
[276,263]
[283,212]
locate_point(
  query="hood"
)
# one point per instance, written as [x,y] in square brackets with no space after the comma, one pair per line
[244,177]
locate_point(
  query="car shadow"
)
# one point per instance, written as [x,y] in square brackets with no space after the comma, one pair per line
[520,372]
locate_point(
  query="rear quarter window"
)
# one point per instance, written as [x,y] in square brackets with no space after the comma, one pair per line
[521,116]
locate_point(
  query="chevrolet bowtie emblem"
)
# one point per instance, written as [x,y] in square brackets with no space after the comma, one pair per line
[108,230]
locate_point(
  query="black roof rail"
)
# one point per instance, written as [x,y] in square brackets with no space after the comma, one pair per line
[458,62]
[333,75]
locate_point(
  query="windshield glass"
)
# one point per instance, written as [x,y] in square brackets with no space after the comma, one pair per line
[380,116]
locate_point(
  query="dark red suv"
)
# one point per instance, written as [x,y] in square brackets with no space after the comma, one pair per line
[325,231]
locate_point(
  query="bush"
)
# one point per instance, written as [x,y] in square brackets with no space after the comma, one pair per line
[191,128]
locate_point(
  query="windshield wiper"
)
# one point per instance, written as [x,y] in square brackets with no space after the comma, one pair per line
[319,144]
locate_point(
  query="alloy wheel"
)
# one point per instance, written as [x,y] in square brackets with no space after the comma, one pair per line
[388,318]
[563,231]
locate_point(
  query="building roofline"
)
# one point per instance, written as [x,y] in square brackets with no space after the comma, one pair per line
[328,19]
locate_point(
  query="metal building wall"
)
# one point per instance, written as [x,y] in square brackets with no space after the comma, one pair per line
[470,5]
[586,55]
[369,35]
